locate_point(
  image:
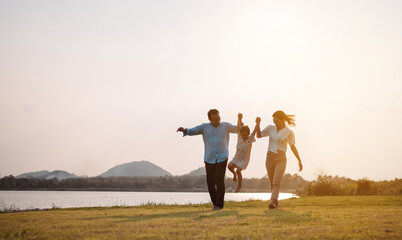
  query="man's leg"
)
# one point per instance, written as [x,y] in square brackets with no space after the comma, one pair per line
[220,183]
[211,172]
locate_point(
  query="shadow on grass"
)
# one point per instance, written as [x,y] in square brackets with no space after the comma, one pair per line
[193,215]
[284,216]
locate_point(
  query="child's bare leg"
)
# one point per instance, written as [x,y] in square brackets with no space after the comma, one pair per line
[240,177]
[231,167]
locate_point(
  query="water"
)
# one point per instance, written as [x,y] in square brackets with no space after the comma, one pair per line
[25,200]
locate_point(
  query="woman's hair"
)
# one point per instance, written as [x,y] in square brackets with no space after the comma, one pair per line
[245,129]
[289,119]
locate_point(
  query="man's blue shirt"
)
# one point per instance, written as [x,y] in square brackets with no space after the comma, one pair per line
[216,140]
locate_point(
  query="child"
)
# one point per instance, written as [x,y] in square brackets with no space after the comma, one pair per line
[243,150]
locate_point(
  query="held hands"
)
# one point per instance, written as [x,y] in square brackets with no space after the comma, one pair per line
[258,120]
[240,116]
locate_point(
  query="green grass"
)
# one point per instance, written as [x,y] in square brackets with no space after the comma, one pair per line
[364,217]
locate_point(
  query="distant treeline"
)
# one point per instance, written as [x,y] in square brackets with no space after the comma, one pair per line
[290,183]
[326,185]
[323,185]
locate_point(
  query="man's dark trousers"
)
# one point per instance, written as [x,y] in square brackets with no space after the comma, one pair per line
[216,182]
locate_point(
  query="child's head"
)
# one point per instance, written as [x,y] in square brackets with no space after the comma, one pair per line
[245,132]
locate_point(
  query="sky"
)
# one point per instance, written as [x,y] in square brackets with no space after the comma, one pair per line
[87,85]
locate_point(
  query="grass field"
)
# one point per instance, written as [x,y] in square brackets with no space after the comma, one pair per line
[365,217]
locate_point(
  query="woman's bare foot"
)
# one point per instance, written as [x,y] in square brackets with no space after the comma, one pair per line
[272,204]
[238,189]
[276,203]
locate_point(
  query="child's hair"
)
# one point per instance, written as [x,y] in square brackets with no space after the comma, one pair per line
[245,129]
[289,119]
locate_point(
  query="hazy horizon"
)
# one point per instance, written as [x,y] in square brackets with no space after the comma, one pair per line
[87,85]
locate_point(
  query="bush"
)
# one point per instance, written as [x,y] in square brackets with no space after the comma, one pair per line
[327,185]
[365,187]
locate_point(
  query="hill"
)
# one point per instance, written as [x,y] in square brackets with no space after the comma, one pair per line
[197,172]
[136,169]
[60,175]
[33,174]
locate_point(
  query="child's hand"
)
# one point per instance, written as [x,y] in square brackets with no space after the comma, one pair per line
[258,120]
[240,116]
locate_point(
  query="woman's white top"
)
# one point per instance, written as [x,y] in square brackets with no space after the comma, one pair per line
[243,150]
[278,140]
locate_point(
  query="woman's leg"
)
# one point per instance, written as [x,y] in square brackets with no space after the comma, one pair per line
[270,165]
[231,167]
[239,179]
[280,167]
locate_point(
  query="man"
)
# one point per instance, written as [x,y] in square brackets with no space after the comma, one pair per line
[215,135]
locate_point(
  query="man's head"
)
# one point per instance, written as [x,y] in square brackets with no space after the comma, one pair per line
[214,118]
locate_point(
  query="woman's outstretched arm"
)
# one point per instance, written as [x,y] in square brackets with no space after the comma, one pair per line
[257,127]
[296,153]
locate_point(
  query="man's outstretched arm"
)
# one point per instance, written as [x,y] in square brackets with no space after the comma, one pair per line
[191,131]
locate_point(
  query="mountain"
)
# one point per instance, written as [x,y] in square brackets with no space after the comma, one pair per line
[198,172]
[33,174]
[136,169]
[60,175]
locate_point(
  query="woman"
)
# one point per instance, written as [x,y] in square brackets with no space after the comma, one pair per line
[279,135]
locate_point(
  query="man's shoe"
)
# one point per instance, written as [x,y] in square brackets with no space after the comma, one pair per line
[216,208]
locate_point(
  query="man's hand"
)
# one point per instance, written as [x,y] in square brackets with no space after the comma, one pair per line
[258,120]
[240,116]
[181,129]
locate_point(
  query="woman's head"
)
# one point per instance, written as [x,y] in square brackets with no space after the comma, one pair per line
[280,118]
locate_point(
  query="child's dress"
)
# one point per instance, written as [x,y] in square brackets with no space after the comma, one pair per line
[243,150]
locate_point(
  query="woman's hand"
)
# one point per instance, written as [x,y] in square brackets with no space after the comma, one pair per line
[300,166]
